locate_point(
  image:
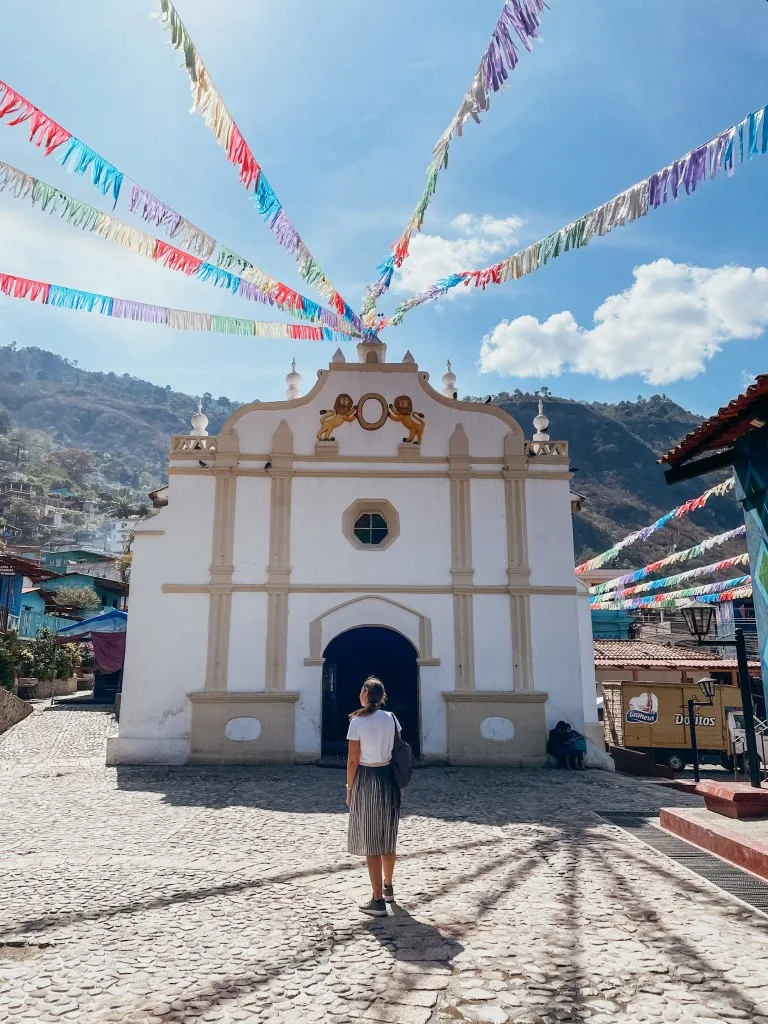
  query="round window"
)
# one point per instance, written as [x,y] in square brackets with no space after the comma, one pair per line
[371,528]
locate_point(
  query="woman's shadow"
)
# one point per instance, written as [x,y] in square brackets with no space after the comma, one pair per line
[407,938]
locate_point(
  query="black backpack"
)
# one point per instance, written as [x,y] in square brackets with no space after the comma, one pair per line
[402,760]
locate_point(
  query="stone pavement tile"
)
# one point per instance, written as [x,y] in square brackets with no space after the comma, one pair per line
[218,895]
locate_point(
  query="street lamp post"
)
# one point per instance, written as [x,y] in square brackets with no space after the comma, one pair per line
[707,686]
[698,618]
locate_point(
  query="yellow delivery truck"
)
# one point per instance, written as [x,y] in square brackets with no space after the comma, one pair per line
[653,718]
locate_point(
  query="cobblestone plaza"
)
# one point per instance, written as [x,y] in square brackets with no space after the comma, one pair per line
[204,894]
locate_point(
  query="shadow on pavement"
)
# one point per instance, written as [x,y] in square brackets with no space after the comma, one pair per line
[409,939]
[488,796]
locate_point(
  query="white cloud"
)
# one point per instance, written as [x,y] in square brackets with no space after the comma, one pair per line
[480,239]
[665,327]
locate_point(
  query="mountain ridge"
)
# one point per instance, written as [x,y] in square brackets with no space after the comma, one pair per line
[126,423]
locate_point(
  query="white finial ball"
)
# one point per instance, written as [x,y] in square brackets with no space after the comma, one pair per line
[293,383]
[199,422]
[541,422]
[293,377]
[449,382]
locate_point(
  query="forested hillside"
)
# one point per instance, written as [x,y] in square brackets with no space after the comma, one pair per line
[125,423]
[615,448]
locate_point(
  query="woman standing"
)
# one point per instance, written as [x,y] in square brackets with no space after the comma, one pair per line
[373,796]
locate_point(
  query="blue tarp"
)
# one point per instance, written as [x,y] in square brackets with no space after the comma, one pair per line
[113,621]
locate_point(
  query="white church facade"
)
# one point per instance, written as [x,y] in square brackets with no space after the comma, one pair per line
[372,525]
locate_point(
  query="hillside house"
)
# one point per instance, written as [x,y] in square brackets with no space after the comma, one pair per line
[17,490]
[111,593]
[66,499]
[38,610]
[16,574]
[644,661]
[58,561]
[100,570]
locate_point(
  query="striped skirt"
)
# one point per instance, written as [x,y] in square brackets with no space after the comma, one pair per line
[374,812]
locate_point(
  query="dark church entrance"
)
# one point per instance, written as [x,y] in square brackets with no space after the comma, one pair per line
[349,659]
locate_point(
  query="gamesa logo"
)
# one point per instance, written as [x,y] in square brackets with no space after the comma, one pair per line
[644,708]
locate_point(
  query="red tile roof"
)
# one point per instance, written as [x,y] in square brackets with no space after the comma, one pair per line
[23,567]
[651,654]
[723,429]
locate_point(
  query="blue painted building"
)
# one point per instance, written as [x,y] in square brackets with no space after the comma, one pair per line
[612,625]
[737,436]
[111,593]
[13,572]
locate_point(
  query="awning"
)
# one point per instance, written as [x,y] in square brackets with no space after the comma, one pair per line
[107,634]
[112,621]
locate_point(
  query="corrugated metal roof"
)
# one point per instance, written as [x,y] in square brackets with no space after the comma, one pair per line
[723,429]
[24,567]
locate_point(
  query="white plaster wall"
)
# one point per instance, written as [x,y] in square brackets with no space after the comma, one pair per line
[489,532]
[256,426]
[166,650]
[183,555]
[321,554]
[167,639]
[493,642]
[550,532]
[587,649]
[557,661]
[251,546]
[247,642]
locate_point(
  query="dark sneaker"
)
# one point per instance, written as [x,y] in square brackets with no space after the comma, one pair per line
[389,893]
[374,908]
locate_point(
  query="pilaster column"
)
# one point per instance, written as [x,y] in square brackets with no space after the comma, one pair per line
[462,571]
[221,568]
[279,568]
[518,571]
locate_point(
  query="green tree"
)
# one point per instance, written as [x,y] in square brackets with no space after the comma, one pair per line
[68,660]
[77,597]
[21,515]
[10,658]
[121,508]
[43,649]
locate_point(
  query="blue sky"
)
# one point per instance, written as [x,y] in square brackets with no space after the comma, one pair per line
[341,103]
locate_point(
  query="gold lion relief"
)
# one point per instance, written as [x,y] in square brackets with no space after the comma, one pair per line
[344,411]
[401,411]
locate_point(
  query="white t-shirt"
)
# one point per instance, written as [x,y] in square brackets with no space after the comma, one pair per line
[376,733]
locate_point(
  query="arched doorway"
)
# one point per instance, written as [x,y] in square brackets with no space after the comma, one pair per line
[349,658]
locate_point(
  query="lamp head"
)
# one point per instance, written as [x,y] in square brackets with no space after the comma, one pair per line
[698,619]
[707,686]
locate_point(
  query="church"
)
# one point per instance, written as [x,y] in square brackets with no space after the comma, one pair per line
[373,525]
